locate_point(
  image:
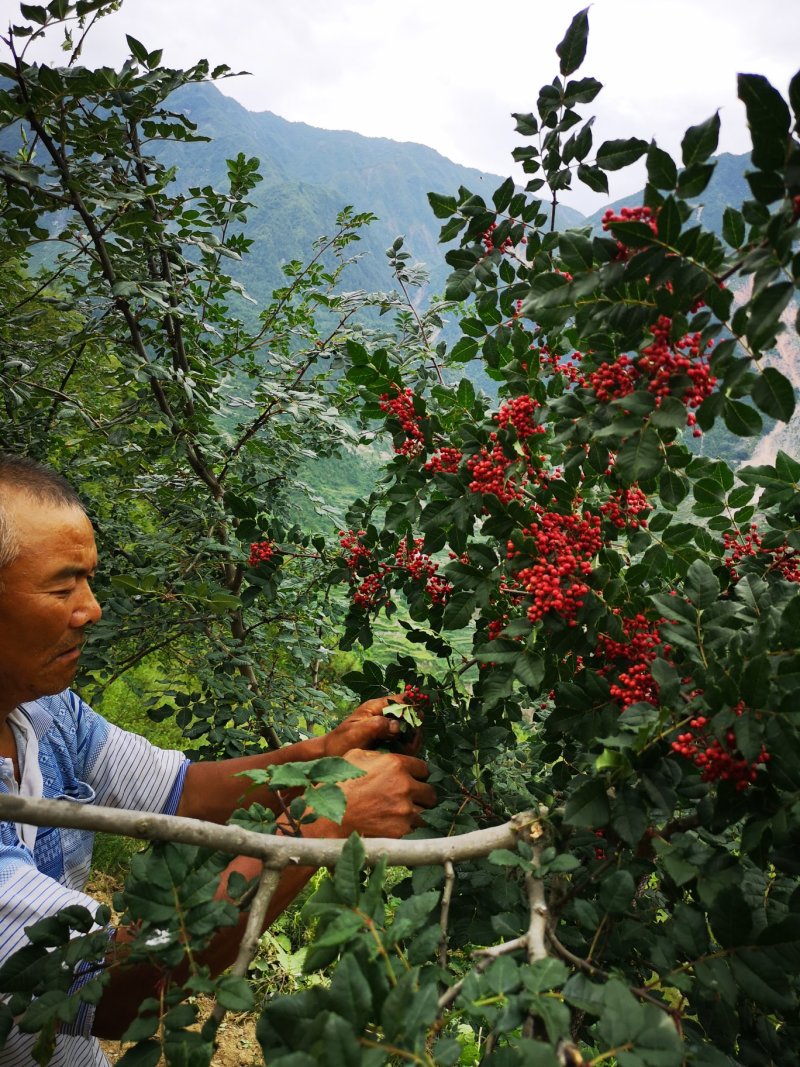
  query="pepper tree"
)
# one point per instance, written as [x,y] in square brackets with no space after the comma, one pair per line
[609,620]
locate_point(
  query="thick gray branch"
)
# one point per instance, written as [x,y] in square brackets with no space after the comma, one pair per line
[276,852]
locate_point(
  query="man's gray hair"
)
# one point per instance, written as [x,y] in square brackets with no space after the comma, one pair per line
[41,483]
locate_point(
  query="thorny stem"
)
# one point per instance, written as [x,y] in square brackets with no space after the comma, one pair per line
[597,972]
[394,1051]
[611,1053]
[447,895]
[248,946]
[485,958]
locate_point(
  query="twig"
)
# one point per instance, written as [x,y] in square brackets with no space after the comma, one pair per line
[598,972]
[447,894]
[248,946]
[485,958]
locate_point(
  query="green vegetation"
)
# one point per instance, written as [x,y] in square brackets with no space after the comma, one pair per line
[597,624]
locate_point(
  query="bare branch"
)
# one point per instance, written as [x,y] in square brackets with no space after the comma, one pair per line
[276,852]
[447,895]
[248,946]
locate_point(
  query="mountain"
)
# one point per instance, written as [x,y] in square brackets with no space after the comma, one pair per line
[311,174]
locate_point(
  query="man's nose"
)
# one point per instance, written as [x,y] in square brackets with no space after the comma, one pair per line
[88,611]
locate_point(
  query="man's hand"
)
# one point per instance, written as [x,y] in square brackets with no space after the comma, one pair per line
[368,727]
[389,799]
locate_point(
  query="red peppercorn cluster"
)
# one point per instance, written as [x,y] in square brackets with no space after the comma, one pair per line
[489,470]
[662,360]
[444,460]
[521,413]
[629,214]
[371,580]
[357,553]
[487,240]
[566,545]
[568,368]
[630,659]
[626,507]
[260,552]
[783,559]
[410,558]
[659,363]
[412,694]
[370,593]
[718,760]
[401,406]
[496,627]
[612,380]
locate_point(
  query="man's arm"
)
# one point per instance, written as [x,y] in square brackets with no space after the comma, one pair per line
[385,802]
[213,790]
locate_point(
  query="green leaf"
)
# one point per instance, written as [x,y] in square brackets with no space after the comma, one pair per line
[588,806]
[661,169]
[614,155]
[741,419]
[617,891]
[672,487]
[794,98]
[34,13]
[413,914]
[347,878]
[700,142]
[443,206]
[544,974]
[733,227]
[235,993]
[460,284]
[640,458]
[669,222]
[774,394]
[593,177]
[350,993]
[145,1054]
[702,585]
[529,668]
[572,49]
[502,196]
[138,50]
[765,312]
[693,180]
[328,801]
[768,118]
[459,610]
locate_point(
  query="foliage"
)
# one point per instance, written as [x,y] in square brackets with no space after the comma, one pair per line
[631,608]
[183,427]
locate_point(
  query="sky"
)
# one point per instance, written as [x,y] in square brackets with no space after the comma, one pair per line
[448,73]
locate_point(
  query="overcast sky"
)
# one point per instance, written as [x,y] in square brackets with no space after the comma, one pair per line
[448,73]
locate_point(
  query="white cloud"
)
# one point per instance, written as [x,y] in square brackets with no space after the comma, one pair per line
[448,73]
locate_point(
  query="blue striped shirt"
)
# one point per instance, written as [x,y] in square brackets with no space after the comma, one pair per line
[67,751]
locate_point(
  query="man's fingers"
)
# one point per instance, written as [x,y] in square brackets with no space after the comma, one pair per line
[418,768]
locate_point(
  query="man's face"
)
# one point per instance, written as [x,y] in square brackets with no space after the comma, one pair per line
[46,603]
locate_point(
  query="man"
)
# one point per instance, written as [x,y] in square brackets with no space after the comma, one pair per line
[53,745]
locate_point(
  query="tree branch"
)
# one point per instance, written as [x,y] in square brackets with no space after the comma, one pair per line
[248,946]
[275,852]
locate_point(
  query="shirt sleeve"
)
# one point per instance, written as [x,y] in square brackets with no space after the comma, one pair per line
[26,896]
[124,769]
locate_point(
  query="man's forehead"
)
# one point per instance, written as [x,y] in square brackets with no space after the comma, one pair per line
[35,522]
